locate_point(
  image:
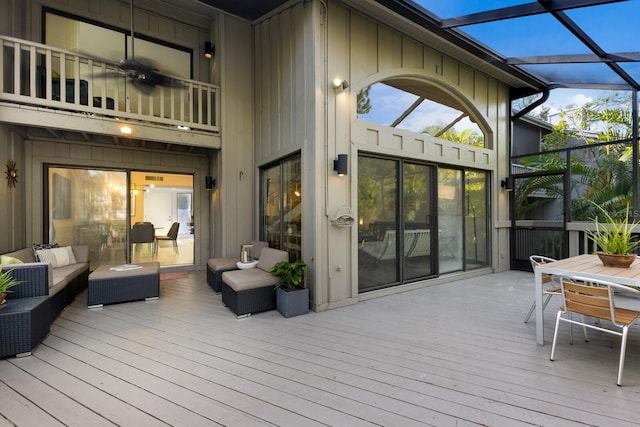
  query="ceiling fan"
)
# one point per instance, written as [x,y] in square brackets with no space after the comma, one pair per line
[144,77]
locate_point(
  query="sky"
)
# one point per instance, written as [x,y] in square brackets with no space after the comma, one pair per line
[612,26]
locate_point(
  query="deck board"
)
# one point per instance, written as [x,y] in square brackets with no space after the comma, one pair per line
[452,354]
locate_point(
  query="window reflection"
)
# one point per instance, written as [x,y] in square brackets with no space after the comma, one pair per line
[281,206]
[419,107]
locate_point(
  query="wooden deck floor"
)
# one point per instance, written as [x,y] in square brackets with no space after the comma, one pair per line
[448,355]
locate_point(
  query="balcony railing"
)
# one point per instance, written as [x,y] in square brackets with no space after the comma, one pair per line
[33,73]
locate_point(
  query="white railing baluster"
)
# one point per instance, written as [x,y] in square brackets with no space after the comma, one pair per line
[16,68]
[31,81]
[32,72]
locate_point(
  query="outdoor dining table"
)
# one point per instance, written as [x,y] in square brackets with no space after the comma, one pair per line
[587,266]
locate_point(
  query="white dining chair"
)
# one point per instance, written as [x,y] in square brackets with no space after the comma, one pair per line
[550,287]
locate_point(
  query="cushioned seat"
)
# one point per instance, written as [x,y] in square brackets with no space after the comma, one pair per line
[217,266]
[252,290]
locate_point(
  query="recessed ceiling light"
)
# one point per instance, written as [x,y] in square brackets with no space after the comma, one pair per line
[126,130]
[181,127]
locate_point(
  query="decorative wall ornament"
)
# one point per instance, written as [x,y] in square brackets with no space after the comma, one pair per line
[12,173]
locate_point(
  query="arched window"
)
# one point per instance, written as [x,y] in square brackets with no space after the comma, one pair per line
[419,107]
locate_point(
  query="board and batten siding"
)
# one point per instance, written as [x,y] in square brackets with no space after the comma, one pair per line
[378,52]
[364,51]
[290,116]
[296,108]
[284,70]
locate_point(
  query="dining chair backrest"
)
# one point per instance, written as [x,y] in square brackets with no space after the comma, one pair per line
[173,231]
[595,299]
[142,233]
[537,260]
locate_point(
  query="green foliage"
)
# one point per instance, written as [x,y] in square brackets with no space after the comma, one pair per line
[614,237]
[465,136]
[290,274]
[364,101]
[7,281]
[598,173]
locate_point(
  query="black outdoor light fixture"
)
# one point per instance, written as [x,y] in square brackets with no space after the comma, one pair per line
[209,50]
[507,183]
[209,182]
[340,164]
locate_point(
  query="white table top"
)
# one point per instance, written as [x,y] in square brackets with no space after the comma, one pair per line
[590,266]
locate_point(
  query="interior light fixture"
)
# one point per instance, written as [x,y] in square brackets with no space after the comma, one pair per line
[507,184]
[340,165]
[340,85]
[209,50]
[126,130]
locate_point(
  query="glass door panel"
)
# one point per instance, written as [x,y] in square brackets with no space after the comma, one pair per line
[272,200]
[292,206]
[281,206]
[476,220]
[89,207]
[377,223]
[450,220]
[417,208]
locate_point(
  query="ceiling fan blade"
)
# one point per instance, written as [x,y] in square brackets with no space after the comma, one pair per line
[143,86]
[110,75]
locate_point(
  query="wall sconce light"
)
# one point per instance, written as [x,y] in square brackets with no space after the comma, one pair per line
[507,184]
[209,50]
[209,182]
[340,164]
[340,85]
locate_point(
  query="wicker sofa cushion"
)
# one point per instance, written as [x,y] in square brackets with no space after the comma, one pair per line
[219,264]
[24,255]
[242,280]
[269,257]
[258,246]
[57,257]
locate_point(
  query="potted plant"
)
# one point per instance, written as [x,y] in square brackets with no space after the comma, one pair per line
[292,297]
[7,281]
[615,239]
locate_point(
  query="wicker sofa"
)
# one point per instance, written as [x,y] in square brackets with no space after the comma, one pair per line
[61,283]
[251,291]
[217,266]
[43,292]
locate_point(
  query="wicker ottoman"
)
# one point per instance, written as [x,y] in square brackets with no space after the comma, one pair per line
[215,268]
[248,291]
[24,322]
[109,285]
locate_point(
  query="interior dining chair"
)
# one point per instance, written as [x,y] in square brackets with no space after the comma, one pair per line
[550,287]
[172,235]
[595,298]
[143,232]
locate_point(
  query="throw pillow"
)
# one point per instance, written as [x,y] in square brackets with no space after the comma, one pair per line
[6,260]
[37,246]
[57,257]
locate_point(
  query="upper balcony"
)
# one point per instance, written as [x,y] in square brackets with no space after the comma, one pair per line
[99,93]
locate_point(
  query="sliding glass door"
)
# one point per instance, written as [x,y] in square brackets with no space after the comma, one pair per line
[417,221]
[99,207]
